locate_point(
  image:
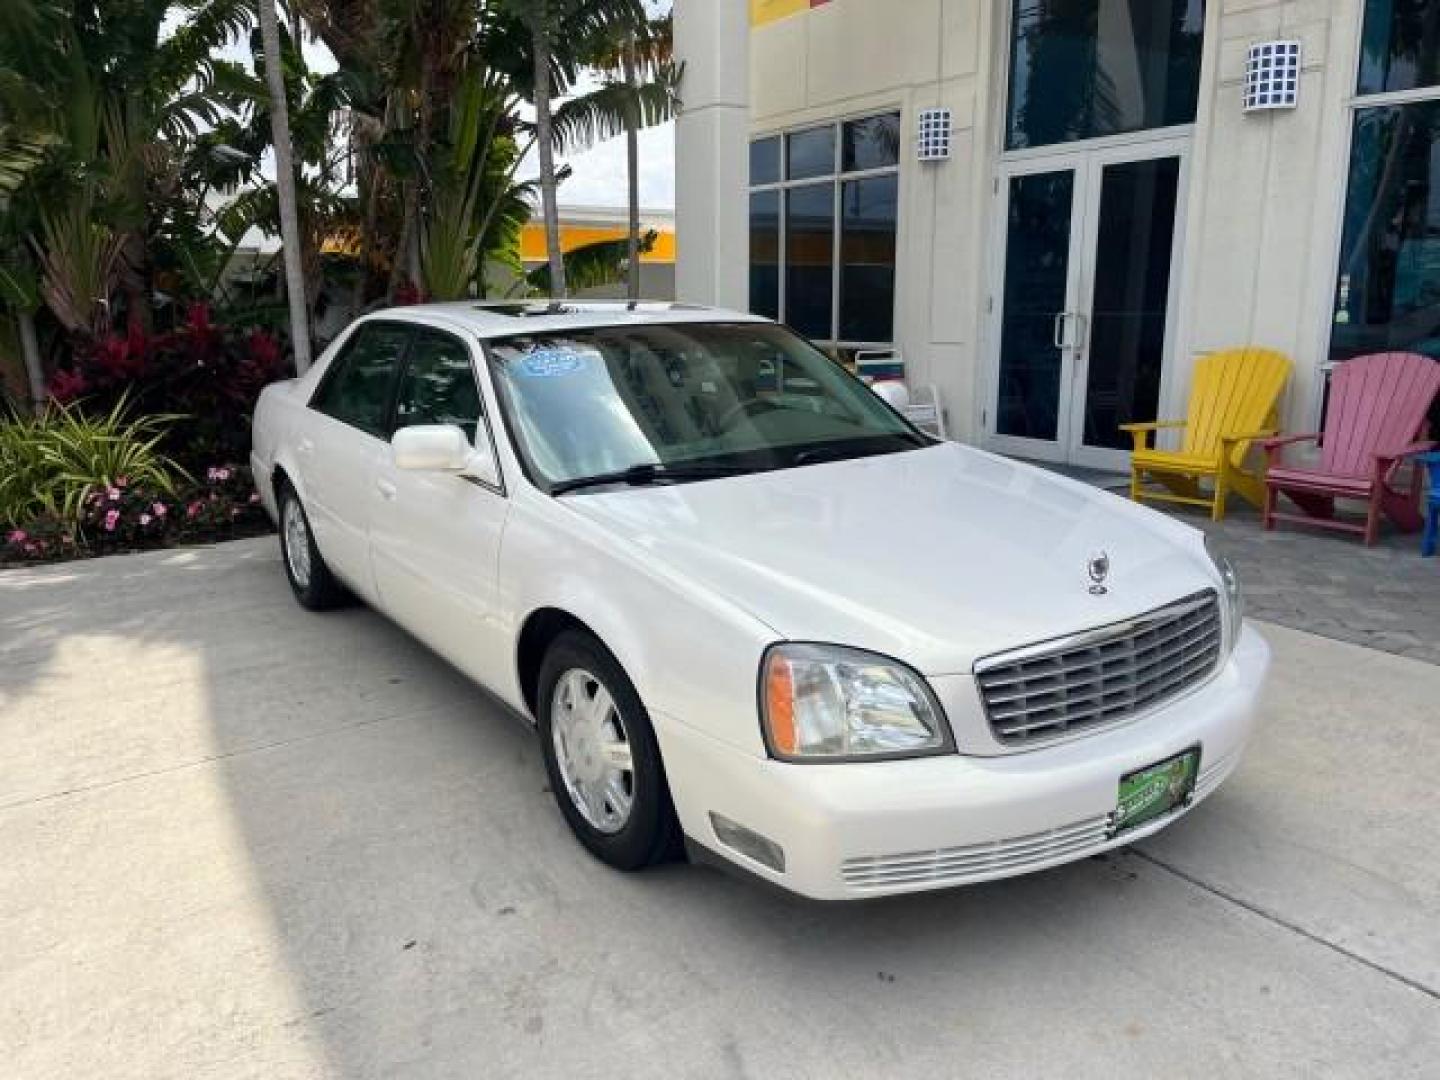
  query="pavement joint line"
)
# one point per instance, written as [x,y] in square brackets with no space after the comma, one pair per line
[209,759]
[1294,928]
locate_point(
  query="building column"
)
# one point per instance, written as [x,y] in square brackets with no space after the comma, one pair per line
[712,219]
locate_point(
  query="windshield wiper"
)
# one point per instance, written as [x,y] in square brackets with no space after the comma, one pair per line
[650,473]
[846,450]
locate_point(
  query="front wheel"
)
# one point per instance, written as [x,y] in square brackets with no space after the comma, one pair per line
[601,756]
[310,579]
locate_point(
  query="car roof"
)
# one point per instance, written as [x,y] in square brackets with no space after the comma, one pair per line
[502,319]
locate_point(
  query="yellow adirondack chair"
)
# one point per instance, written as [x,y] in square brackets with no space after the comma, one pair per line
[1232,402]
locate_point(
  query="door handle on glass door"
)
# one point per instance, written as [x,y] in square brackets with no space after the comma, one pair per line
[386,489]
[1058,329]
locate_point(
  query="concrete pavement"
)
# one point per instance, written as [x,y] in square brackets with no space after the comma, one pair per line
[240,840]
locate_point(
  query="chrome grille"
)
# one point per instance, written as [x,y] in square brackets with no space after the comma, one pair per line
[1102,676]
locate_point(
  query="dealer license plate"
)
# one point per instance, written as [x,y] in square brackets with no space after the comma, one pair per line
[1155,790]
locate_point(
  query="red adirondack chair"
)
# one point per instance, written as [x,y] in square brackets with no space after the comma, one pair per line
[1377,409]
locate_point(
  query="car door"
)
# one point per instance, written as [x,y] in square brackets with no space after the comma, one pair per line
[435,536]
[340,449]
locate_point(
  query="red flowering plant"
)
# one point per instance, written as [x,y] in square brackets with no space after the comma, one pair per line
[206,374]
[219,504]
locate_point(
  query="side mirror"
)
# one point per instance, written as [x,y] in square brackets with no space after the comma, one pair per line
[431,448]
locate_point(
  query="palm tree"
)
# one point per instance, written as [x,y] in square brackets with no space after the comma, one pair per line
[563,33]
[285,185]
[641,89]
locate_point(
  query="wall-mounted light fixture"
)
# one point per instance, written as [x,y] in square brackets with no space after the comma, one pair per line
[933,138]
[1272,76]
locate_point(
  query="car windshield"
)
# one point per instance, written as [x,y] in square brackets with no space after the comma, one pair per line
[664,402]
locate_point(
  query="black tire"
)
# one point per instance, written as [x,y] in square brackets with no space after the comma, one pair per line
[317,589]
[651,832]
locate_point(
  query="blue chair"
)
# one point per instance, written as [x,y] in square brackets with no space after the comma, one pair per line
[1431,538]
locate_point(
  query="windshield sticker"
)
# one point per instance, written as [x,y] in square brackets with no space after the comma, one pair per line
[551,363]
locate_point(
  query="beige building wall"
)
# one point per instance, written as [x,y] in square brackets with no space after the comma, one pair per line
[1258,227]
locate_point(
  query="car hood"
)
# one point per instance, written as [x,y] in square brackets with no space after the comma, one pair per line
[935,556]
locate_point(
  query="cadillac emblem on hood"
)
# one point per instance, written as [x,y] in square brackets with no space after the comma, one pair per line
[1099,569]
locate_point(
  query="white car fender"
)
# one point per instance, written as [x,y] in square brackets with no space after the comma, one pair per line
[704,660]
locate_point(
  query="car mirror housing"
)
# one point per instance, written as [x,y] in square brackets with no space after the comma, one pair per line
[431,448]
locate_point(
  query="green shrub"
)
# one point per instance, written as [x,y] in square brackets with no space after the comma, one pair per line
[50,465]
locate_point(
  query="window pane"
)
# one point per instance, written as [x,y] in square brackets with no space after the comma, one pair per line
[1387,294]
[1037,269]
[765,254]
[439,386]
[359,391]
[871,143]
[1085,68]
[867,258]
[809,256]
[1400,47]
[810,153]
[1132,289]
[765,160]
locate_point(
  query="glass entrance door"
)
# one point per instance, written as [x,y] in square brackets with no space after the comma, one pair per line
[1082,305]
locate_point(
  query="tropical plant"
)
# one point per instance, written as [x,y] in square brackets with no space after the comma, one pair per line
[562,35]
[591,266]
[50,464]
[641,89]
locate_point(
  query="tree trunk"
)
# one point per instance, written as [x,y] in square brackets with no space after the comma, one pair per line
[285,186]
[632,176]
[34,369]
[544,138]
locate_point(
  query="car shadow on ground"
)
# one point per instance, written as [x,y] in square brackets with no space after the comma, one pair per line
[310,847]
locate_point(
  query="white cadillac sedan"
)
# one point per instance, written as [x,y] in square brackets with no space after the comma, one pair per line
[752,612]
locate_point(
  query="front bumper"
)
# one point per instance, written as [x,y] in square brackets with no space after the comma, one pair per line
[875,829]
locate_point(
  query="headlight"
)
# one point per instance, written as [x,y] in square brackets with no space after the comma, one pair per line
[1234,599]
[829,703]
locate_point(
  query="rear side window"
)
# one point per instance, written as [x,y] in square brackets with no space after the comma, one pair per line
[357,392]
[438,386]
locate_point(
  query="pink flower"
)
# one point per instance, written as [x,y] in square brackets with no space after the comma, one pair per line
[31,549]
[158,509]
[217,475]
[144,520]
[254,496]
[112,518]
[194,508]
[16,537]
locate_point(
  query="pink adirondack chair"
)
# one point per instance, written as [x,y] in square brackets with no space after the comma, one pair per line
[1377,409]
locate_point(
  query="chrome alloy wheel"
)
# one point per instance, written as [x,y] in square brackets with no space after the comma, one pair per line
[592,750]
[297,543]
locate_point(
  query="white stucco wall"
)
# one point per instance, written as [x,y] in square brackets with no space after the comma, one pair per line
[1258,229]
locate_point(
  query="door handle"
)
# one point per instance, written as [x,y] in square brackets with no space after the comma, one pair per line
[386,488]
[1057,331]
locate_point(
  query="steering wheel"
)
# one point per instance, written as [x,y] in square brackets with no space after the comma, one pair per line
[744,408]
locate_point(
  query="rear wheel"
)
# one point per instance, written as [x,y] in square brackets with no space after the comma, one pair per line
[601,756]
[310,579]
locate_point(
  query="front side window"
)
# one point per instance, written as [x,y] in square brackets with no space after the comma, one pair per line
[724,396]
[438,386]
[357,391]
[829,275]
[1081,69]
